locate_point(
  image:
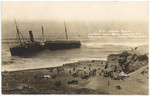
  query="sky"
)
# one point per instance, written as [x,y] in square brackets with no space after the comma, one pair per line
[75,10]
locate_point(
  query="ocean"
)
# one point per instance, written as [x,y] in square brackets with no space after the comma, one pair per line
[88,51]
[56,58]
[91,49]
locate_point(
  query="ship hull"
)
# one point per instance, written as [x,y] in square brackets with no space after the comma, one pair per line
[24,50]
[57,45]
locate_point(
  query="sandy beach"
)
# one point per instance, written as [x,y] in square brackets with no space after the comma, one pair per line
[84,77]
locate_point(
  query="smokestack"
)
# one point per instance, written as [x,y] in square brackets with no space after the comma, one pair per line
[31,36]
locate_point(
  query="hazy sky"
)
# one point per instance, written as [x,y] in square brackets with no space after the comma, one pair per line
[75,10]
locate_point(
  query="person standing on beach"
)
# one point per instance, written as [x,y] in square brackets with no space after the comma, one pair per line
[108,83]
[74,69]
[69,71]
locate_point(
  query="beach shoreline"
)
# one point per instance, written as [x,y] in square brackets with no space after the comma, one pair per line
[84,77]
[41,71]
[65,64]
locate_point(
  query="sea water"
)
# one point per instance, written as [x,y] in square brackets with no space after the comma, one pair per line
[91,49]
[47,58]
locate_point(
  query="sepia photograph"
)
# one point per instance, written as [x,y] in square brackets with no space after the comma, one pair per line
[75,47]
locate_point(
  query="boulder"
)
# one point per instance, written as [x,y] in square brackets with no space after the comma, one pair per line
[126,61]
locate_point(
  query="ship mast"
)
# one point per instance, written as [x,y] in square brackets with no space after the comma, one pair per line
[42,33]
[18,33]
[66,31]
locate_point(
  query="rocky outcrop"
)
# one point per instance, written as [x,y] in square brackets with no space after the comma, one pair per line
[126,61]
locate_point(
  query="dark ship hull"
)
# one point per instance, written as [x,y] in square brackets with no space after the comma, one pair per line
[56,45]
[26,48]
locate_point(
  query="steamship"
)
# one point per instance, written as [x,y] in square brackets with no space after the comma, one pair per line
[61,44]
[25,48]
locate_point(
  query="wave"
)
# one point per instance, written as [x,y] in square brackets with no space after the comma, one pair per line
[111,45]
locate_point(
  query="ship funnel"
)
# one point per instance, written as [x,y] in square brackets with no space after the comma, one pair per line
[31,36]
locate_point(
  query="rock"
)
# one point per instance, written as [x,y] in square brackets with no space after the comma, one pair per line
[142,57]
[126,61]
